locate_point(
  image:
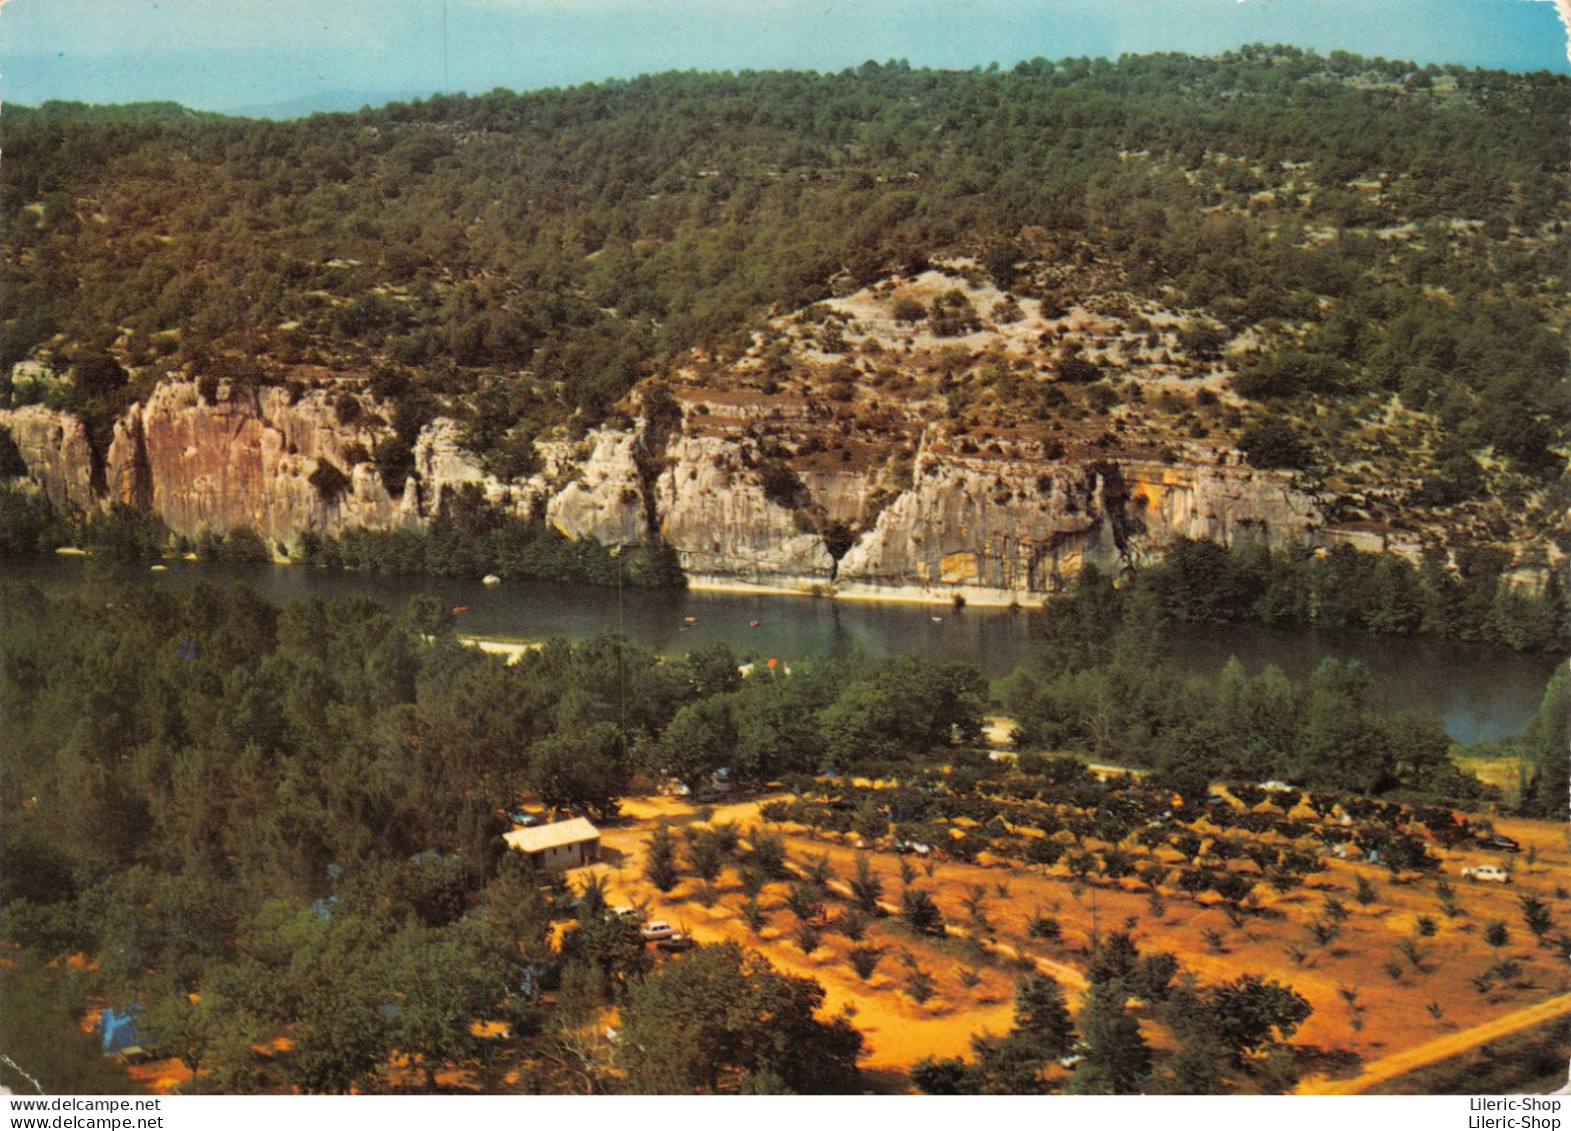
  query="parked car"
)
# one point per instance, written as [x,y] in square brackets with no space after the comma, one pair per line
[912,848]
[1487,873]
[1498,843]
[677,943]
[656,929]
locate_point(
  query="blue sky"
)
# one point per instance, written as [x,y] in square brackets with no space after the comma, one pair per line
[234,54]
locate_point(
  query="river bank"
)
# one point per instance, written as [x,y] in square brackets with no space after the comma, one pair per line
[925,595]
[1480,692]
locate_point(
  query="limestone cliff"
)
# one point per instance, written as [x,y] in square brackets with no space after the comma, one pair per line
[55,448]
[247,458]
[714,512]
[990,527]
[594,489]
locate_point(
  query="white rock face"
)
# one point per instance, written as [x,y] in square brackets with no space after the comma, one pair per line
[54,446]
[990,528]
[441,464]
[714,514]
[602,497]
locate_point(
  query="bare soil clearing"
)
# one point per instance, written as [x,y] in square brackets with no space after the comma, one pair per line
[1409,1007]
[1441,1048]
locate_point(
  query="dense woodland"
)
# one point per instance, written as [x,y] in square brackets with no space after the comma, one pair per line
[1375,229]
[297,812]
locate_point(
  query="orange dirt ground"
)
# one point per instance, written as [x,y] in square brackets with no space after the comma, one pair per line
[1388,1017]
[1394,1031]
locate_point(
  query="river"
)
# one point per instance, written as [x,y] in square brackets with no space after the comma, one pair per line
[1481,692]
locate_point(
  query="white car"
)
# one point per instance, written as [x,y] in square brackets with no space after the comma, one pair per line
[656,929]
[1487,873]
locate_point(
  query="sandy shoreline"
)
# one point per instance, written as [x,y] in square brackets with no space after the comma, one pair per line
[891,594]
[512,649]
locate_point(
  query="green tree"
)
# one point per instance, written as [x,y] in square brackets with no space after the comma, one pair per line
[948,1077]
[585,768]
[1110,1035]
[204,1030]
[766,853]
[864,960]
[1042,1022]
[866,888]
[920,913]
[440,988]
[1249,1014]
[1114,959]
[42,1040]
[612,948]
[705,853]
[1543,742]
[700,740]
[1537,916]
[660,859]
[337,1001]
[699,1024]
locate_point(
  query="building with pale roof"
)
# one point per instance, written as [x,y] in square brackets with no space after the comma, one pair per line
[563,844]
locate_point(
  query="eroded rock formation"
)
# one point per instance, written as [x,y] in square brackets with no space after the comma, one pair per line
[987,527]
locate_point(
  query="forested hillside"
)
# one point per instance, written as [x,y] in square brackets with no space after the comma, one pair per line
[296,814]
[1355,265]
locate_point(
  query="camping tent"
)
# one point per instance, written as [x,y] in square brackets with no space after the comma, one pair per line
[118,1029]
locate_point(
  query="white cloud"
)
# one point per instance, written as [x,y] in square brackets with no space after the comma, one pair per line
[1563,9]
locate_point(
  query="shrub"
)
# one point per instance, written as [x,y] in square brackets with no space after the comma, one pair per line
[853,923]
[330,482]
[1365,893]
[768,853]
[807,937]
[920,986]
[1274,444]
[866,887]
[864,960]
[781,485]
[1153,976]
[660,863]
[803,901]
[242,544]
[920,912]
[1044,927]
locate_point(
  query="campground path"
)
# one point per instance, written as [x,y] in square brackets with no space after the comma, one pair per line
[1441,1048]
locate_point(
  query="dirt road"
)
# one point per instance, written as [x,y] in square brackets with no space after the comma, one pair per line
[1441,1048]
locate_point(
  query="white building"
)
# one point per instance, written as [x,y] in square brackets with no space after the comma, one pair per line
[564,844]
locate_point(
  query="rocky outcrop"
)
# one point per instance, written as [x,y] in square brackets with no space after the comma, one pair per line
[598,489]
[261,458]
[442,463]
[715,514]
[989,527]
[59,458]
